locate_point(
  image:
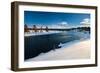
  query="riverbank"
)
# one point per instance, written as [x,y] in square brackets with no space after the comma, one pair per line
[79,50]
[40,33]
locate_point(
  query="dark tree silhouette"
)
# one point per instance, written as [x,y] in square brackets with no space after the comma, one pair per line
[34,28]
[26,28]
[46,29]
[41,29]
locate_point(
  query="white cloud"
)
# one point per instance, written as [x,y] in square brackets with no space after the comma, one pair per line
[85,21]
[62,25]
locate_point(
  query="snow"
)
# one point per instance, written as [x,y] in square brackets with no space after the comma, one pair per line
[40,33]
[76,50]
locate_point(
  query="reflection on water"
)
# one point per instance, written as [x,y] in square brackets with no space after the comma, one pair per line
[34,45]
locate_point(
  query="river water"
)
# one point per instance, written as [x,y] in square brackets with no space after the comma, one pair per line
[36,44]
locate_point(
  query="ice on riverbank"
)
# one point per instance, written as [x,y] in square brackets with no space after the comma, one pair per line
[40,33]
[79,50]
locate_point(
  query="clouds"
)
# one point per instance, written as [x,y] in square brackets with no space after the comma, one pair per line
[59,25]
[85,21]
[63,23]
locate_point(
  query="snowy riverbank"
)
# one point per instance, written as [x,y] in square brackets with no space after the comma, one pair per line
[40,33]
[78,50]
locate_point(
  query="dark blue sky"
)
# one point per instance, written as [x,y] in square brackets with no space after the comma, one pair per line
[49,18]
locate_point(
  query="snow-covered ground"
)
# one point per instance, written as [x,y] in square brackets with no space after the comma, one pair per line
[76,50]
[40,33]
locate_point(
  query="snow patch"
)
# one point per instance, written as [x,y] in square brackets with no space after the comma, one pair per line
[79,50]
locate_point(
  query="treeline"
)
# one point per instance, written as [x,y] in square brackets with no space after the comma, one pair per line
[81,28]
[40,29]
[35,29]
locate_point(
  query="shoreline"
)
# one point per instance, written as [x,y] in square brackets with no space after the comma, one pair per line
[40,33]
[72,50]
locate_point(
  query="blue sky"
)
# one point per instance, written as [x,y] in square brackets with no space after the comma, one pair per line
[49,18]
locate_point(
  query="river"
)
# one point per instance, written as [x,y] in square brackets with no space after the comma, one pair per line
[34,45]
